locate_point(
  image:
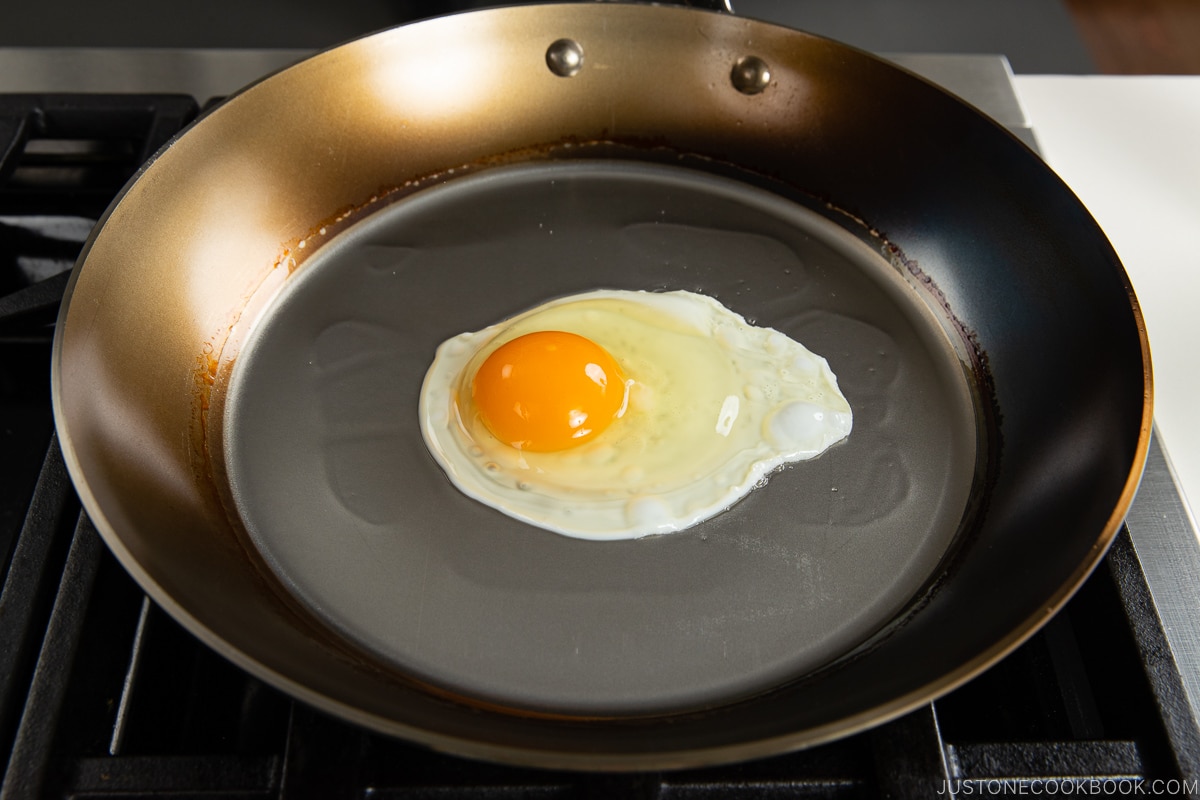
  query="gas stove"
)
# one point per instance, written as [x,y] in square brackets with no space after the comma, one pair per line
[103,694]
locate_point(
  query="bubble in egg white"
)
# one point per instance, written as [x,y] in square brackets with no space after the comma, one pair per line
[805,427]
[649,514]
[714,406]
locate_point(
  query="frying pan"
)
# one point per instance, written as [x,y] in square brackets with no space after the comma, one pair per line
[237,364]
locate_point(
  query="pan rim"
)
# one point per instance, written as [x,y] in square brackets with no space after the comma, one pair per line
[592,761]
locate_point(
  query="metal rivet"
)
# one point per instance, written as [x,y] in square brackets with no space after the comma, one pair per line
[750,75]
[564,58]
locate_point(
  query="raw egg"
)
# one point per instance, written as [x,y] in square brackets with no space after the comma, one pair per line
[619,414]
[548,390]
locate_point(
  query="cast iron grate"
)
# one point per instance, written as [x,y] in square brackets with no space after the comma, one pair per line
[103,695]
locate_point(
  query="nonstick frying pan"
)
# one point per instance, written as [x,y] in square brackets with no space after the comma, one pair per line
[237,364]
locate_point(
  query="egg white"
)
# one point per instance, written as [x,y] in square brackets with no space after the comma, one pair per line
[714,405]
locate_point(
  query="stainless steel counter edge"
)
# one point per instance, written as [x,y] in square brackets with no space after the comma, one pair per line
[201,73]
[1164,539]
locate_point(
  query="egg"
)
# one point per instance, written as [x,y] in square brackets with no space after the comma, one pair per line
[621,414]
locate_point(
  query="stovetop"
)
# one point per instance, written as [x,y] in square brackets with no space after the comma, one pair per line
[102,694]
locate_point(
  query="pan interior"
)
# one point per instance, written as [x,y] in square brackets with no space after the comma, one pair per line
[334,485]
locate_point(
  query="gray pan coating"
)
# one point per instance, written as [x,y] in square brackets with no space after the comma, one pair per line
[338,493]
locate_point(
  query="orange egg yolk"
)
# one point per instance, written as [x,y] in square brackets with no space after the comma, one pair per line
[548,391]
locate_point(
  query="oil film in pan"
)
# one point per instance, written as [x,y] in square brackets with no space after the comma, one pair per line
[340,496]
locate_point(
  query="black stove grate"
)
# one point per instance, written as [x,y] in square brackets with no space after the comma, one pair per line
[103,695]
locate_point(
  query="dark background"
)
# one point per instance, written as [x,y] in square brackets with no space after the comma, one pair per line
[1038,36]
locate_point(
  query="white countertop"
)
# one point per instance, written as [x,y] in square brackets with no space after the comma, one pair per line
[1129,147]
